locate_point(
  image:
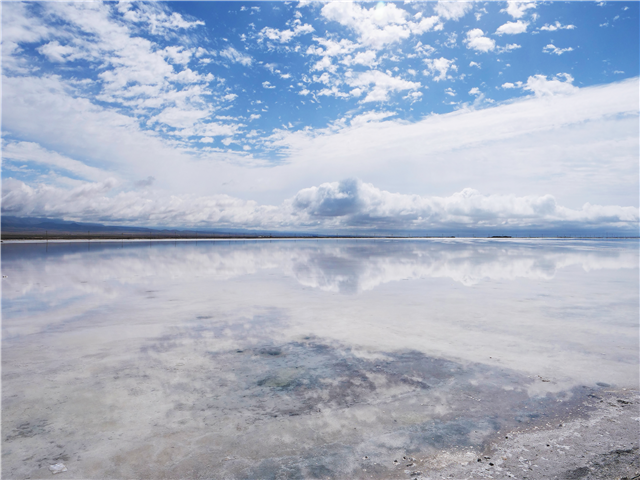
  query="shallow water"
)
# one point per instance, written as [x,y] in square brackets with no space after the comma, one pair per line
[301,359]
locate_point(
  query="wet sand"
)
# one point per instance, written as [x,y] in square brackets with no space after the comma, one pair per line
[238,371]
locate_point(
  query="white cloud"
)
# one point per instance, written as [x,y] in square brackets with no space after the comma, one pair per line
[561,141]
[379,26]
[134,60]
[366,58]
[178,54]
[557,26]
[348,203]
[333,91]
[20,26]
[590,133]
[413,97]
[97,201]
[518,9]
[284,36]
[475,64]
[371,116]
[423,50]
[236,56]
[332,48]
[552,49]
[324,64]
[380,84]
[508,48]
[540,86]
[475,91]
[132,71]
[512,28]
[180,117]
[212,129]
[266,84]
[477,41]
[440,65]
[354,203]
[156,17]
[58,53]
[32,152]
[452,10]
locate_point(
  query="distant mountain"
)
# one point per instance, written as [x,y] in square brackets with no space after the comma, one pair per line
[12,224]
[37,227]
[28,226]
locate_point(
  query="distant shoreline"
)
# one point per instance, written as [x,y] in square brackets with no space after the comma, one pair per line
[32,238]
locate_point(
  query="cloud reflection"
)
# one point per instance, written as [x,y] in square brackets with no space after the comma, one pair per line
[347,267]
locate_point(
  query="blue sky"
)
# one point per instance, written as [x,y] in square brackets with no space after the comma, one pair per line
[408,116]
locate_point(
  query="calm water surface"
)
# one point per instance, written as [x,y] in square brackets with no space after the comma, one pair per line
[301,359]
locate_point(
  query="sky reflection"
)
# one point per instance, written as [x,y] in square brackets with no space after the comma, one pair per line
[324,347]
[519,299]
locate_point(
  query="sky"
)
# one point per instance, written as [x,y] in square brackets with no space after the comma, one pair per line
[359,117]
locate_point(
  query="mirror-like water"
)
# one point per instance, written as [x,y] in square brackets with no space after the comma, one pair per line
[298,359]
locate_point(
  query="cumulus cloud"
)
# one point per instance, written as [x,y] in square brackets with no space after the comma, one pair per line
[477,41]
[349,203]
[367,58]
[552,49]
[540,86]
[133,71]
[59,53]
[508,48]
[156,18]
[18,27]
[518,9]
[452,10]
[441,66]
[380,25]
[331,48]
[556,26]
[380,85]
[565,146]
[284,36]
[97,202]
[561,84]
[356,203]
[512,28]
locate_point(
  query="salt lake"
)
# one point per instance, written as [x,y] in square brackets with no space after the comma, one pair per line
[309,358]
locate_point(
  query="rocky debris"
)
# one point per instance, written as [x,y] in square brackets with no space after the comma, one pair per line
[57,468]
